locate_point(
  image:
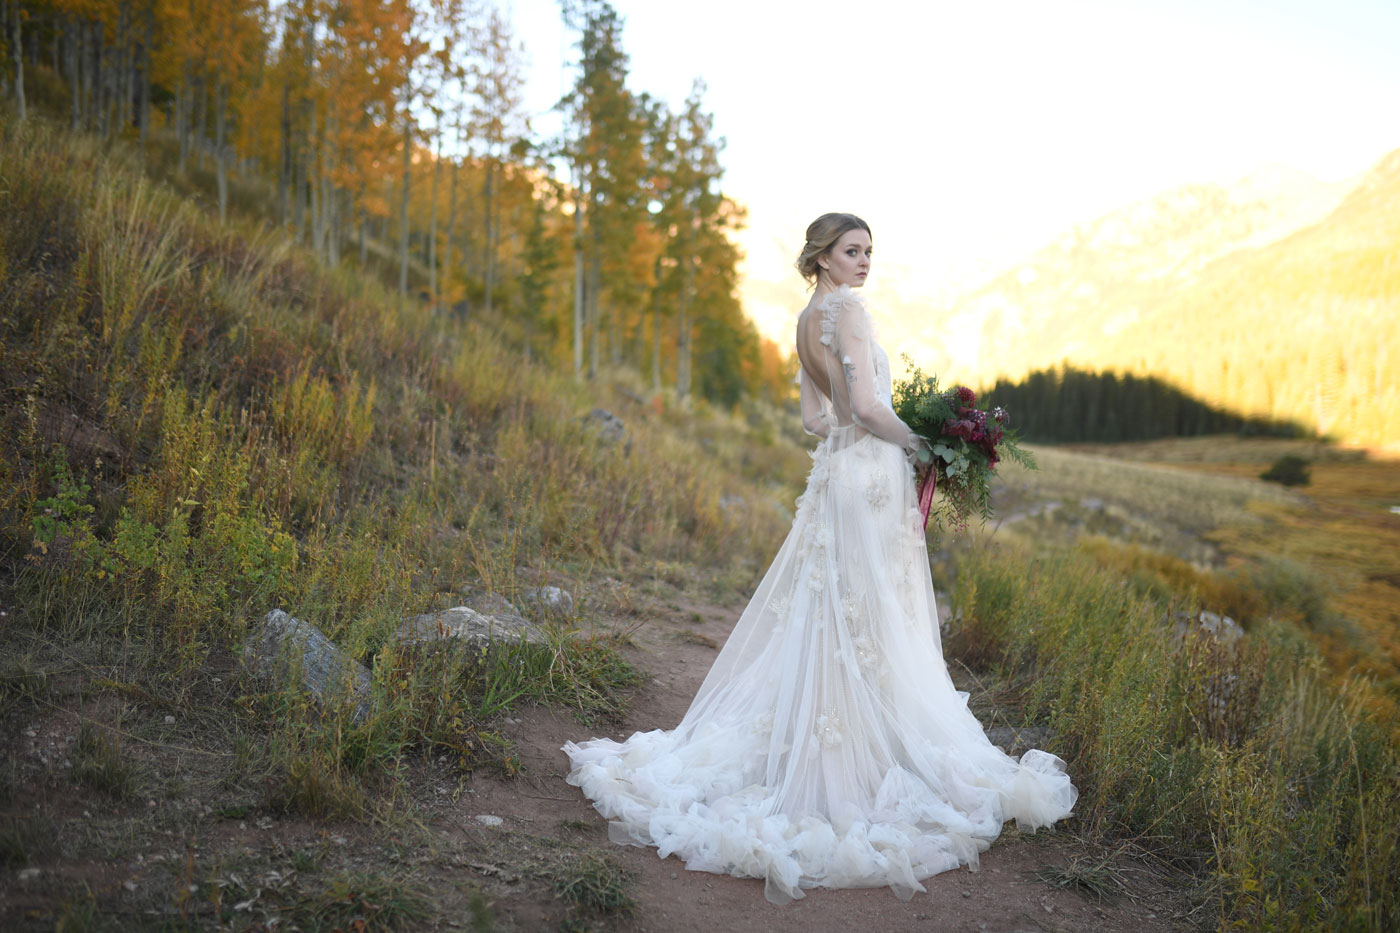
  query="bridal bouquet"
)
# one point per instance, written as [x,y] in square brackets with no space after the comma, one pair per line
[965,443]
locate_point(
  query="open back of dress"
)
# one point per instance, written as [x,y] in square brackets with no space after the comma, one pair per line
[828,746]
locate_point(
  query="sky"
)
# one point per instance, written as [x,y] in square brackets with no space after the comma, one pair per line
[969,134]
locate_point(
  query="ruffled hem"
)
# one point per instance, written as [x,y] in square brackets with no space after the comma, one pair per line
[688,802]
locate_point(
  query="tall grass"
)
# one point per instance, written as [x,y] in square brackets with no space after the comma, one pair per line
[1240,762]
[203,423]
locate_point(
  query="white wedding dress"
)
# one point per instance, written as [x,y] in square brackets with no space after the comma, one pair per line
[828,746]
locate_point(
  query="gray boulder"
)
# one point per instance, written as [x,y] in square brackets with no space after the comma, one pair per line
[1017,741]
[463,625]
[1222,628]
[552,601]
[609,427]
[284,648]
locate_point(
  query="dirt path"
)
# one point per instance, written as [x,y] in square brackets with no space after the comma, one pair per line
[1003,896]
[196,843]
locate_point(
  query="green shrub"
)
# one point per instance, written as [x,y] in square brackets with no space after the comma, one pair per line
[1289,470]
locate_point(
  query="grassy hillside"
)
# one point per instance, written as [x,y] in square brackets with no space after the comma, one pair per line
[202,423]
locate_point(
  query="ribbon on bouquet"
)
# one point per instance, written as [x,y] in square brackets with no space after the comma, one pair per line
[927,482]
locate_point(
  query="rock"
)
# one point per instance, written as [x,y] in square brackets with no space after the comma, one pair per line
[486,819]
[943,603]
[27,875]
[489,604]
[466,625]
[553,601]
[609,427]
[285,645]
[1016,741]
[1222,628]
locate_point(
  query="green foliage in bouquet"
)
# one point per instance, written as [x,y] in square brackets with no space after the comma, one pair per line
[965,443]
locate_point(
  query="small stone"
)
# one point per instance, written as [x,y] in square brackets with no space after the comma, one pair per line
[486,819]
[130,886]
[28,874]
[552,600]
[169,720]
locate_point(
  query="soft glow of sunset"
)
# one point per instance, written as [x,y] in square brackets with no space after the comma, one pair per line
[970,134]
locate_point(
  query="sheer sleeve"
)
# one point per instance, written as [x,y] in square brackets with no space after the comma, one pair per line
[814,419]
[858,364]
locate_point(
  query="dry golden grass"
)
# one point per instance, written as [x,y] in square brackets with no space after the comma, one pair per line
[1338,529]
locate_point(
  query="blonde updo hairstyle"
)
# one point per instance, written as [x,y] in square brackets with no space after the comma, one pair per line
[822,235]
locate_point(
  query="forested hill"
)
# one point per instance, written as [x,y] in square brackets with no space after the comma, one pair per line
[1275,299]
[392,136]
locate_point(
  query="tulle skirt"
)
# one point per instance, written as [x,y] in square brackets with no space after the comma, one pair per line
[827,745]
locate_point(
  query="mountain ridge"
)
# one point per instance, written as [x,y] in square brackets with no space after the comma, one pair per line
[1190,285]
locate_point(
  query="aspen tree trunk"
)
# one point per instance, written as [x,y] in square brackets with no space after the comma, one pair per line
[100,82]
[489,258]
[121,115]
[315,156]
[451,227]
[182,116]
[595,277]
[72,46]
[4,31]
[284,167]
[403,206]
[364,248]
[578,283]
[198,126]
[17,51]
[144,111]
[220,155]
[328,192]
[432,227]
[88,57]
[683,330]
[656,330]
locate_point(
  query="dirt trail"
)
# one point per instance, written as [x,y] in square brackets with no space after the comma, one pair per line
[197,846]
[1003,896]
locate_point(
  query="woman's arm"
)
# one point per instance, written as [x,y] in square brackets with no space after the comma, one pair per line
[858,365]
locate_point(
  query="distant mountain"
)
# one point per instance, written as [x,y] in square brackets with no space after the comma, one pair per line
[1277,296]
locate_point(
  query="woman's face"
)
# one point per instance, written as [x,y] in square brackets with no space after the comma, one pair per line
[848,260]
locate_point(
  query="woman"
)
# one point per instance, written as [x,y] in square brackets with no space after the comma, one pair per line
[828,746]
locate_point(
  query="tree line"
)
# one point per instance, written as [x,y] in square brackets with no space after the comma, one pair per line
[391,134]
[1069,405]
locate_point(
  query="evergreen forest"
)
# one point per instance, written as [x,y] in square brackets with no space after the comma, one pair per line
[1072,405]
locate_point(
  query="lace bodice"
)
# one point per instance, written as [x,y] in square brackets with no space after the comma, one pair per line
[857,370]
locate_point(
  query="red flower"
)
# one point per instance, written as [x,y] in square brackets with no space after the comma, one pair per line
[966,395]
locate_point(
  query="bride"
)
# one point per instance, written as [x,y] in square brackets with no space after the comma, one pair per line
[827,746]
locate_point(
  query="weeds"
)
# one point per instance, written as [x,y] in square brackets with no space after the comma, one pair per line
[595,883]
[362,901]
[98,763]
[21,837]
[1242,759]
[1094,878]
